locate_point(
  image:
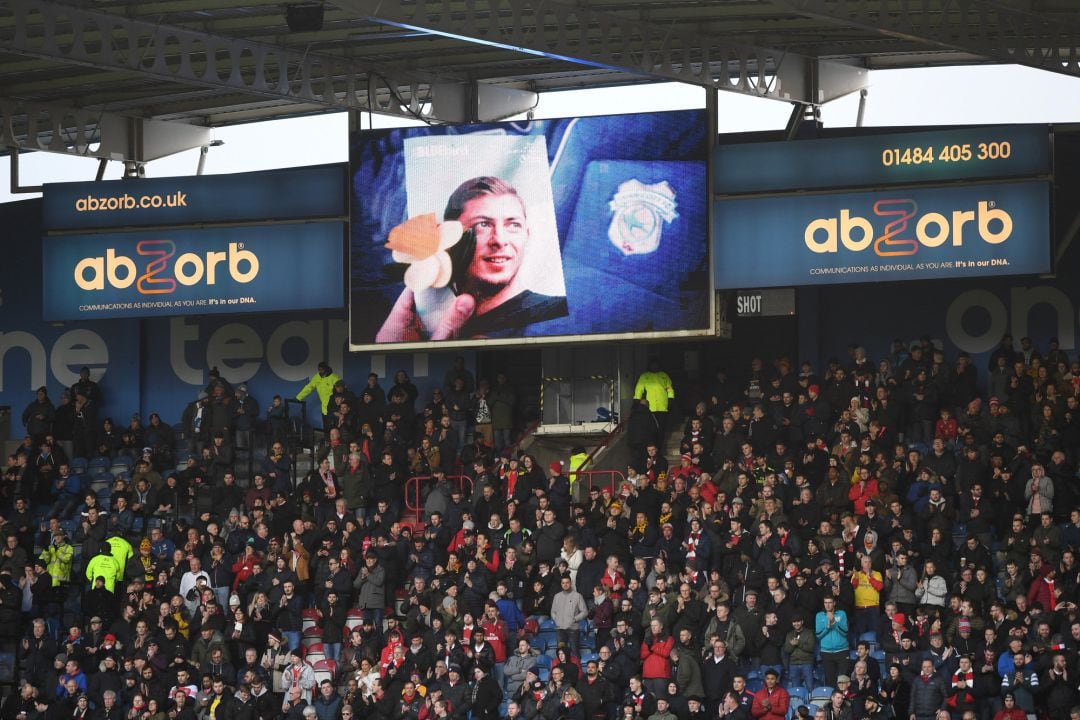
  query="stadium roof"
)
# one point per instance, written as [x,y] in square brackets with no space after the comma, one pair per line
[72,73]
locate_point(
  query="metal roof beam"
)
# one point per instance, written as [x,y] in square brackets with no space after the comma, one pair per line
[567,32]
[58,32]
[48,127]
[990,29]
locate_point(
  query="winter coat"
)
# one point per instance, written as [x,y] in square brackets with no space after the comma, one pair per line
[778,699]
[900,584]
[323,386]
[655,656]
[371,589]
[517,665]
[927,696]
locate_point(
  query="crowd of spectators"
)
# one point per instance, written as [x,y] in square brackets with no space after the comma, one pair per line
[878,539]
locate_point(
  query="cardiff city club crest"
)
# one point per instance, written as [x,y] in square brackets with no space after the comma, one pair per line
[639,212]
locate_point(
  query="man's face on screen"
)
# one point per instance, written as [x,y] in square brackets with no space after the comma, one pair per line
[501,232]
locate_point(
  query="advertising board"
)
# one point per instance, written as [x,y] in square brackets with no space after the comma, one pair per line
[869,160]
[195,245]
[877,236]
[312,192]
[571,229]
[161,363]
[209,270]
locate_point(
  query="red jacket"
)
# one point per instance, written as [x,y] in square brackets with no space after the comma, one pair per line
[495,635]
[656,657]
[1042,593]
[779,700]
[863,495]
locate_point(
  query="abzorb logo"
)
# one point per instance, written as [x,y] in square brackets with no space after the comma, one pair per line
[161,274]
[931,230]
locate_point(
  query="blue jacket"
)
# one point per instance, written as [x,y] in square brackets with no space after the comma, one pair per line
[510,613]
[834,638]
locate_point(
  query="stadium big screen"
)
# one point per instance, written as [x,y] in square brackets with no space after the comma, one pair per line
[570,229]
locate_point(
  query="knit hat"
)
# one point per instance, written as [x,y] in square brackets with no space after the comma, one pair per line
[555,467]
[965,624]
[145,544]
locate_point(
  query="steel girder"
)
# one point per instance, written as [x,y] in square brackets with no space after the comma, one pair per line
[993,30]
[49,127]
[98,39]
[616,42]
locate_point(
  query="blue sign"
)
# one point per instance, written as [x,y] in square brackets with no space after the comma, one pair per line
[183,272]
[868,160]
[160,364]
[308,192]
[900,234]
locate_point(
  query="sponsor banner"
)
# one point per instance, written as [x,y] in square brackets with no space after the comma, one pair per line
[160,364]
[309,192]
[900,234]
[184,272]
[869,160]
[572,229]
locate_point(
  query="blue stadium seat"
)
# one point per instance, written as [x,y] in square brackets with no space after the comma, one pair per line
[821,695]
[543,661]
[799,692]
[99,463]
[78,465]
[754,684]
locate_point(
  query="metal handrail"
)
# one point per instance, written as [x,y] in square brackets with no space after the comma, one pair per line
[615,477]
[412,492]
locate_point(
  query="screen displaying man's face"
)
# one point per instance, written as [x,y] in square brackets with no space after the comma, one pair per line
[501,232]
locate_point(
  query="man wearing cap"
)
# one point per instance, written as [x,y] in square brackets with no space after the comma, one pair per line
[457,692]
[771,701]
[663,709]
[58,557]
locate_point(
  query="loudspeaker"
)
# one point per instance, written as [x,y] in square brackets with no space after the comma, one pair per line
[305,17]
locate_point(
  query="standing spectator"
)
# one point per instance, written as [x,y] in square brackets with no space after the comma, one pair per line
[298,675]
[771,701]
[322,383]
[38,416]
[831,628]
[868,586]
[501,399]
[800,645]
[1039,494]
[370,585]
[656,658]
[927,694]
[568,609]
[655,386]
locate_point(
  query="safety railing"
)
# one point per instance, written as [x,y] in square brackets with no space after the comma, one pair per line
[600,478]
[413,504]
